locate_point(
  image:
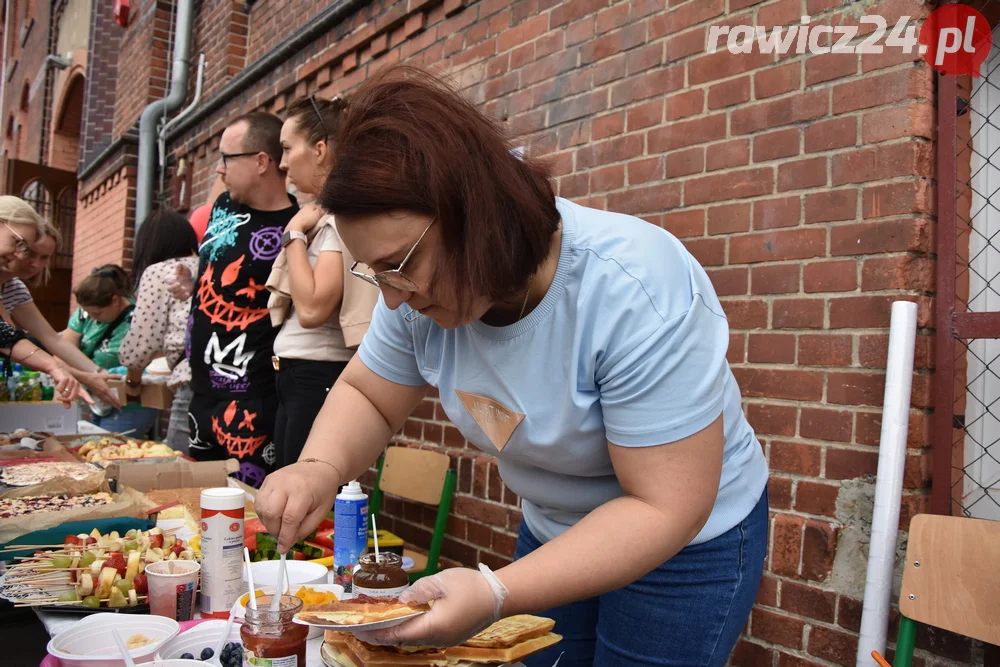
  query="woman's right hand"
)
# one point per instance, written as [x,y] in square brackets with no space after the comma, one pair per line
[183,286]
[293,500]
[97,383]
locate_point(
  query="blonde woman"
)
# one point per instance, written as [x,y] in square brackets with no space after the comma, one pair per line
[19,225]
[33,269]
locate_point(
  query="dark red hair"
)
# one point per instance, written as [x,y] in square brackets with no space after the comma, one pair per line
[409,141]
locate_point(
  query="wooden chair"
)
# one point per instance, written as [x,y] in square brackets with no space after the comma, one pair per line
[950,580]
[421,476]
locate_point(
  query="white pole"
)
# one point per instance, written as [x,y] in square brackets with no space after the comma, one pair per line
[889,485]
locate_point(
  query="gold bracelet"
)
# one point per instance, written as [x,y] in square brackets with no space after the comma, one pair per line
[25,357]
[340,474]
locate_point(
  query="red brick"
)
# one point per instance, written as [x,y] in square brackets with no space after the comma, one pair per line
[870,424]
[684,223]
[832,205]
[850,464]
[687,133]
[777,628]
[778,80]
[833,645]
[905,272]
[883,162]
[801,174]
[767,594]
[480,510]
[685,44]
[708,252]
[779,212]
[729,282]
[819,546]
[834,276]
[816,498]
[849,613]
[783,12]
[855,388]
[736,352]
[675,20]
[574,185]
[872,238]
[917,471]
[873,351]
[748,654]
[775,145]
[645,115]
[603,127]
[830,134]
[779,493]
[862,312]
[786,549]
[767,418]
[611,18]
[722,65]
[618,149]
[794,385]
[786,111]
[808,601]
[730,185]
[795,457]
[825,350]
[777,246]
[571,11]
[773,349]
[646,170]
[607,178]
[644,58]
[897,199]
[686,162]
[729,93]
[828,66]
[729,218]
[875,91]
[683,105]
[788,660]
[613,43]
[648,84]
[775,279]
[914,120]
[727,154]
[744,314]
[798,314]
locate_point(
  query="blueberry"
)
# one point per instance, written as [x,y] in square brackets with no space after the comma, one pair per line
[206,654]
[187,656]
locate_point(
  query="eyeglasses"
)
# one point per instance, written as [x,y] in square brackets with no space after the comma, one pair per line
[326,132]
[229,156]
[393,278]
[21,247]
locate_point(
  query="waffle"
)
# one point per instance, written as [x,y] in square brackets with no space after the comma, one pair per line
[353,612]
[511,631]
[492,656]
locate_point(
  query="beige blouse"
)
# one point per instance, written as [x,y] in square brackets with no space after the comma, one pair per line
[159,323]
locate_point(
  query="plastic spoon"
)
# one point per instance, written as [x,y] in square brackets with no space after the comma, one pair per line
[279,584]
[123,649]
[252,600]
[215,659]
[375,534]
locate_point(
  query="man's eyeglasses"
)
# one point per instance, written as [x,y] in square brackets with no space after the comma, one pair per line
[21,246]
[393,278]
[225,157]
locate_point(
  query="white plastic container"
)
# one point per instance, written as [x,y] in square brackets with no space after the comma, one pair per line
[299,572]
[222,511]
[89,643]
[194,641]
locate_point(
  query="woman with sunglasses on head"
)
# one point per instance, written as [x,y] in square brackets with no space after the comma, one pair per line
[323,317]
[165,242]
[33,268]
[98,328]
[585,350]
[19,229]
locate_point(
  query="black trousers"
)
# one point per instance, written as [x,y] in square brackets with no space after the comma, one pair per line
[303,386]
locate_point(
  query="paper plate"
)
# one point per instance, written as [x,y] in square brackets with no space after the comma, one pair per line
[363,627]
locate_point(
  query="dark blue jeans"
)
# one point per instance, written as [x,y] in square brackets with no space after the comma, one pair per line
[689,611]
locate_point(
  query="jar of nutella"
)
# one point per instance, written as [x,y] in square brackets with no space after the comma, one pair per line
[384,578]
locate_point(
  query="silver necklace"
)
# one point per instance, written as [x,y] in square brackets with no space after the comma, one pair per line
[526,293]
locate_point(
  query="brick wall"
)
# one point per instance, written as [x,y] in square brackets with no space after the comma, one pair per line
[97,130]
[29,57]
[803,184]
[143,63]
[104,227]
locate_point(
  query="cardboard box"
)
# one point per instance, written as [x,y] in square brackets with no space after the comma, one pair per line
[39,416]
[177,474]
[118,386]
[158,396]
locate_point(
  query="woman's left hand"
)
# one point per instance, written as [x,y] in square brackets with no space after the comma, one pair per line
[463,606]
[67,388]
[307,218]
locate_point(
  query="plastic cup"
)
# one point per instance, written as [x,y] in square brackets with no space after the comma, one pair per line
[172,586]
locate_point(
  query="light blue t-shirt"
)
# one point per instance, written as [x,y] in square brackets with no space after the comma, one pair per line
[628,346]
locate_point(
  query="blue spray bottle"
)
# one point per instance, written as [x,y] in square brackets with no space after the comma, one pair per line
[350,532]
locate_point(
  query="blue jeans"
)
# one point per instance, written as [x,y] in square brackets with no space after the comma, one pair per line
[689,611]
[138,420]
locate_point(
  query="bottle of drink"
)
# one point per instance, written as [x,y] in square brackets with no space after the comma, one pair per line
[48,388]
[350,536]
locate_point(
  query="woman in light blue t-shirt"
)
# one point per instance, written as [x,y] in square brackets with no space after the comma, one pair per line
[585,350]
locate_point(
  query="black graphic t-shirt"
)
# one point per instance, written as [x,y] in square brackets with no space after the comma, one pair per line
[230,336]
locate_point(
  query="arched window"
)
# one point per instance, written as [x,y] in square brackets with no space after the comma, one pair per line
[36,194]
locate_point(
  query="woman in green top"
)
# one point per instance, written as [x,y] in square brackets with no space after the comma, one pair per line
[98,327]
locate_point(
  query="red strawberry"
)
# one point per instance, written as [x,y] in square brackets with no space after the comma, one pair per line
[140,584]
[72,539]
[156,541]
[117,560]
[177,549]
[91,540]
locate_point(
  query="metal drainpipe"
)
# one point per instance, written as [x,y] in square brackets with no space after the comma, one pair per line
[152,114]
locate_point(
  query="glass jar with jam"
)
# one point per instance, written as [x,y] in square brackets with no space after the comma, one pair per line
[381,578]
[270,638]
